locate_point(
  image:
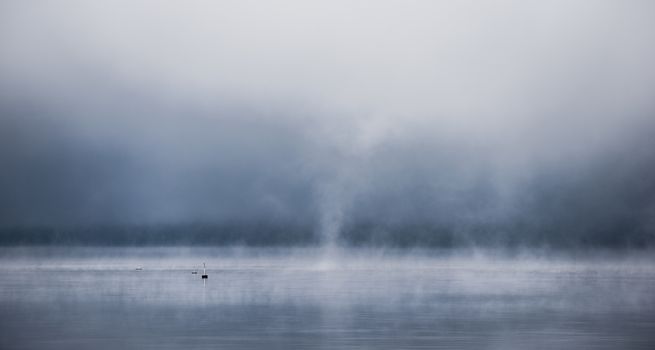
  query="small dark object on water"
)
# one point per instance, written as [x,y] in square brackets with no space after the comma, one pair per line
[204,272]
[194,272]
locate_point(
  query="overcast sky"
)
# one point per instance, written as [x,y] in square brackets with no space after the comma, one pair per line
[326,112]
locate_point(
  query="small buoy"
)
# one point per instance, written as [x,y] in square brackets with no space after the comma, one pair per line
[204,272]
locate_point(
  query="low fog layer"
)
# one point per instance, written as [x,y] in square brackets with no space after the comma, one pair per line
[369,122]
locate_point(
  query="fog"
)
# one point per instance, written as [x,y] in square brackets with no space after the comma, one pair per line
[128,297]
[422,123]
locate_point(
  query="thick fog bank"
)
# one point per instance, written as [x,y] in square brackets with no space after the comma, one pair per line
[510,235]
[374,123]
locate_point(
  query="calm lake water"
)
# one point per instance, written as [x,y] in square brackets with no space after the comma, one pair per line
[95,298]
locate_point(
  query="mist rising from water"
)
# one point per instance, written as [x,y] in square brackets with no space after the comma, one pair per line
[371,124]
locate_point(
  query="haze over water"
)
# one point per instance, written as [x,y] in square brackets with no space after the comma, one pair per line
[293,298]
[396,174]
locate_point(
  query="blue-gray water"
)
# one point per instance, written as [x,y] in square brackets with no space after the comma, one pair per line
[94,298]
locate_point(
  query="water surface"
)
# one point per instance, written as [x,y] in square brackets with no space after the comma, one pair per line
[85,298]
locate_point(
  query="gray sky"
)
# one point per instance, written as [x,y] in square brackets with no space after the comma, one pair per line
[326,112]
